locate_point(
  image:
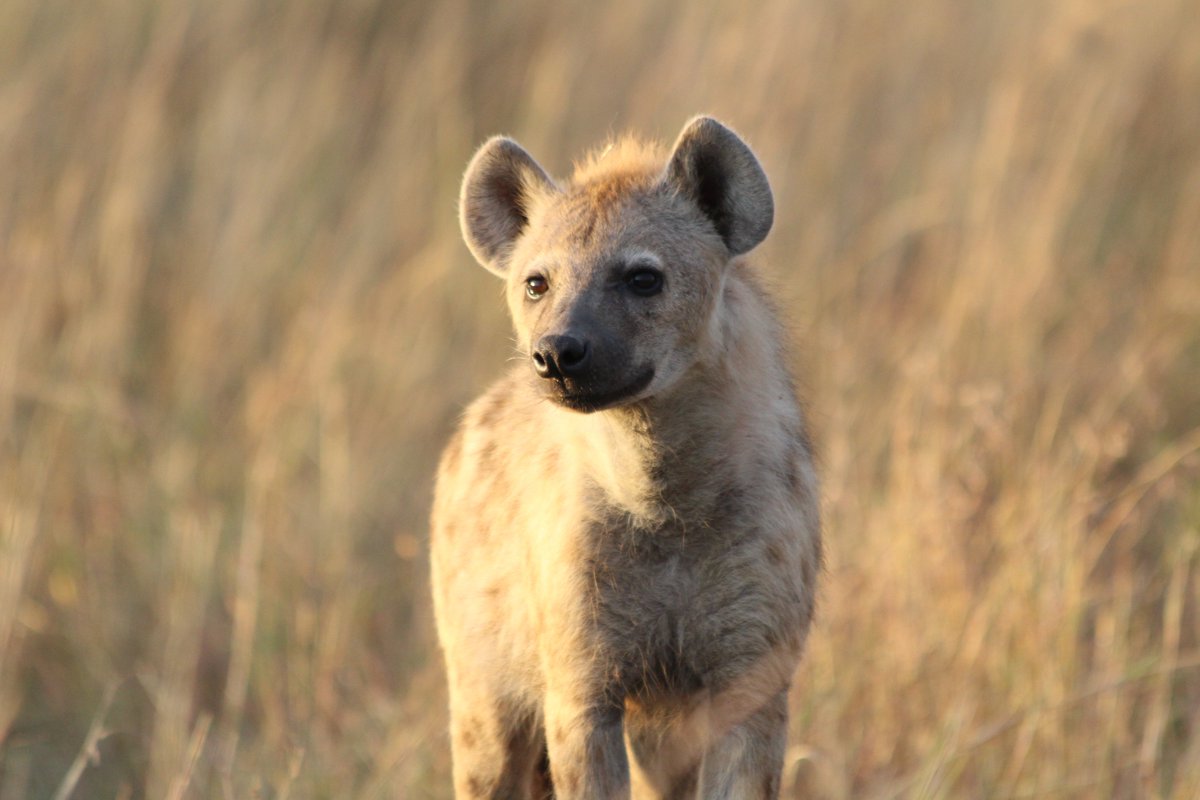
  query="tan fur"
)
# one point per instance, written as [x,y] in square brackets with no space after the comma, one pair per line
[627,590]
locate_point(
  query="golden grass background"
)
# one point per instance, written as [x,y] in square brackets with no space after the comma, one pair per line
[237,324]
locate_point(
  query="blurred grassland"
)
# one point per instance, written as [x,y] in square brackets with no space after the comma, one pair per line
[237,324]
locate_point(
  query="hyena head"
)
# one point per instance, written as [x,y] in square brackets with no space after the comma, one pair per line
[614,277]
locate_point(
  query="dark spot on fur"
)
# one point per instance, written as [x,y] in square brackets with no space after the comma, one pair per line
[492,406]
[477,786]
[467,738]
[775,553]
[793,476]
[487,457]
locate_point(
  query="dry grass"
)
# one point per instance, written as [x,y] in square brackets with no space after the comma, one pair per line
[236,324]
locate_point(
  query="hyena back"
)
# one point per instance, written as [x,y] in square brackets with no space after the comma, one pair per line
[625,537]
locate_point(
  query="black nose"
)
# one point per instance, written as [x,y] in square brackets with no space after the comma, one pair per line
[561,356]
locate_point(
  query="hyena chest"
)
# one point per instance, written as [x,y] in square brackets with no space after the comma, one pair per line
[684,624]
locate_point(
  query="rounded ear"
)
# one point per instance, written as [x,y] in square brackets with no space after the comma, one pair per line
[493,207]
[716,170]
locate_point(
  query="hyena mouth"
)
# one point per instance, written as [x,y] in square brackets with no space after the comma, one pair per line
[589,401]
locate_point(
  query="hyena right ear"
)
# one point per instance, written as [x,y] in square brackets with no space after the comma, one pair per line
[493,207]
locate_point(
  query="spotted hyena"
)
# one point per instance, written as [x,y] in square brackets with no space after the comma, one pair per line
[625,532]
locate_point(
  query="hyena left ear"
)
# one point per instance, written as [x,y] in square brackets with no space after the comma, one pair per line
[493,207]
[716,170]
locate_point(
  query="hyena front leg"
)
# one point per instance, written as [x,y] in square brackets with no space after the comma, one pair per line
[748,760]
[497,745]
[586,744]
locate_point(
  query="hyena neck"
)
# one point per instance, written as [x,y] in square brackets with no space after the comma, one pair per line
[725,428]
[646,464]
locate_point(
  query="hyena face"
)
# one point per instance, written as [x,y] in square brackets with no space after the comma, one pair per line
[607,299]
[613,279]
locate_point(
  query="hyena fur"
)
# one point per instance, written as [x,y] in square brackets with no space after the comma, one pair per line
[626,541]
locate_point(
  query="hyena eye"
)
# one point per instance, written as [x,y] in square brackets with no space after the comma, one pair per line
[536,286]
[644,281]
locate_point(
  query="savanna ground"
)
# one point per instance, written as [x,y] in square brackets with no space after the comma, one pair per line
[237,324]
